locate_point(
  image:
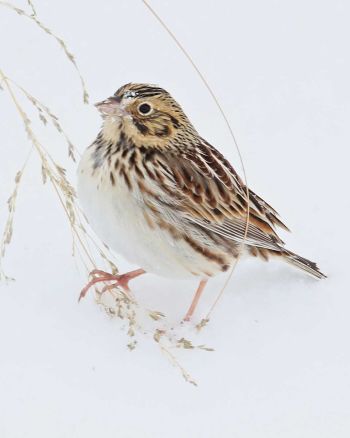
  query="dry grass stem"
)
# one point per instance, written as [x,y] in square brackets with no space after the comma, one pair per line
[8,229]
[46,115]
[33,17]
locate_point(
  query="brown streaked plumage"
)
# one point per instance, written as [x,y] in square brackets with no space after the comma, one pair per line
[162,196]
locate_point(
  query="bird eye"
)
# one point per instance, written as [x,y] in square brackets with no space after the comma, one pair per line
[144,109]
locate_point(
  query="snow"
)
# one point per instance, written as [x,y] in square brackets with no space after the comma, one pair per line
[281,362]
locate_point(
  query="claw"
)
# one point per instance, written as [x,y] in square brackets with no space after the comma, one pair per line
[119,280]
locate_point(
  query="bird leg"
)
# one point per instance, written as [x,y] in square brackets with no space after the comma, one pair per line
[195,300]
[121,280]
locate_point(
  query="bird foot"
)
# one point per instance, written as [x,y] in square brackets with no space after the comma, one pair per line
[121,280]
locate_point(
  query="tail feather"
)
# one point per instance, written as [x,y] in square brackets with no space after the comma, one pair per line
[303,264]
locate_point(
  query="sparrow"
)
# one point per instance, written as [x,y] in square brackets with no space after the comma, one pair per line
[160,195]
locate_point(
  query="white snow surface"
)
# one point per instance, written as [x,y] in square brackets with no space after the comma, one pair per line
[281,365]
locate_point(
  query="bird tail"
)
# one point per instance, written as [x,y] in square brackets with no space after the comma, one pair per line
[303,264]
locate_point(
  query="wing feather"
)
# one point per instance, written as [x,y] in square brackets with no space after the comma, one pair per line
[202,188]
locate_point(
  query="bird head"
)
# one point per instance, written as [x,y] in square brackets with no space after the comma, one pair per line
[147,114]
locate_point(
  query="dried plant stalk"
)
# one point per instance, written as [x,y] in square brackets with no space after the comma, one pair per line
[45,116]
[33,16]
[8,229]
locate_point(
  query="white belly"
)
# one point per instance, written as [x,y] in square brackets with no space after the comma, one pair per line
[117,217]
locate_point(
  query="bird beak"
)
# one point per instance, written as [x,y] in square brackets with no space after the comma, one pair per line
[111,107]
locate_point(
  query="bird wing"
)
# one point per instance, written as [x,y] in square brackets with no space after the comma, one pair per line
[202,187]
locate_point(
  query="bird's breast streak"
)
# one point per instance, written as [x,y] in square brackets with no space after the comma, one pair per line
[116,214]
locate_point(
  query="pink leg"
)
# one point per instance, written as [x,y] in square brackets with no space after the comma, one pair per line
[120,280]
[195,300]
